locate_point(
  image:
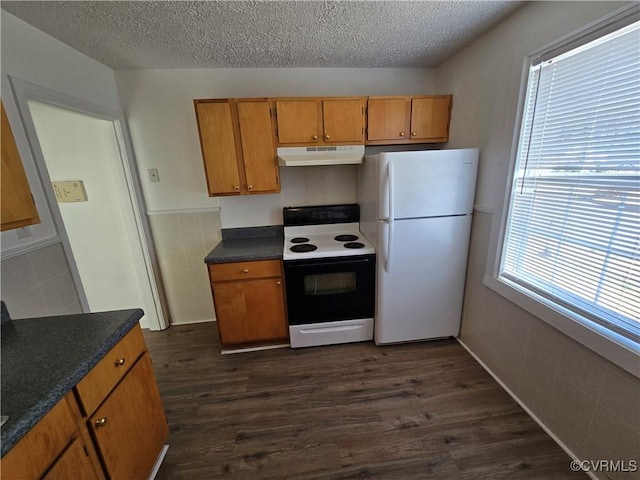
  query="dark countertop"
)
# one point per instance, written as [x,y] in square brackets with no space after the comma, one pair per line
[43,358]
[248,244]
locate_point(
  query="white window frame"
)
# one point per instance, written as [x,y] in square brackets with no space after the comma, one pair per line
[616,348]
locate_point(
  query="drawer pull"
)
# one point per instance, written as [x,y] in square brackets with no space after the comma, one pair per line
[246,270]
[102,422]
[119,362]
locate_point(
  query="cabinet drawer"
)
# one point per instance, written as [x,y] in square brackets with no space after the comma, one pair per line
[41,446]
[96,385]
[220,272]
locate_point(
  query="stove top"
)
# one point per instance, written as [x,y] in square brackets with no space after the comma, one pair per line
[330,240]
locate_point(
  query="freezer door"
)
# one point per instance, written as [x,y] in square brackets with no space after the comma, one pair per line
[430,183]
[420,296]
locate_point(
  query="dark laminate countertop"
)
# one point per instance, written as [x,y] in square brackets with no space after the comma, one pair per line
[43,358]
[248,244]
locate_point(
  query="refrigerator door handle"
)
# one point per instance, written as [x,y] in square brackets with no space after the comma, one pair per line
[390,191]
[387,263]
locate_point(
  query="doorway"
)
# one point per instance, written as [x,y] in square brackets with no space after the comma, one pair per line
[104,231]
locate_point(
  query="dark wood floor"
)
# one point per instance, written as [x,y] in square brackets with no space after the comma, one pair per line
[415,411]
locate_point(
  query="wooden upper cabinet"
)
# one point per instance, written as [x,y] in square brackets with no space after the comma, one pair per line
[218,143]
[258,146]
[343,121]
[298,121]
[320,121]
[387,118]
[18,208]
[238,147]
[430,118]
[419,119]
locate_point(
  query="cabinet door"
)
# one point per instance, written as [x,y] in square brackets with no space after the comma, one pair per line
[343,121]
[130,427]
[430,118]
[217,139]
[387,118]
[258,148]
[73,463]
[298,121]
[38,449]
[18,207]
[250,311]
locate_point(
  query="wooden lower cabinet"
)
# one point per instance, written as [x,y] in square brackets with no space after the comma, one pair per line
[129,428]
[55,448]
[73,463]
[249,302]
[111,425]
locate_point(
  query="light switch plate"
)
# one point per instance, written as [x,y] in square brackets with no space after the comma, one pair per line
[70,191]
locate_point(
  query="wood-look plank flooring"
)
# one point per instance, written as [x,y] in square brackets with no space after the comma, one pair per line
[354,411]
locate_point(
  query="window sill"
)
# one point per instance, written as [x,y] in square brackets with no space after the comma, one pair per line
[619,350]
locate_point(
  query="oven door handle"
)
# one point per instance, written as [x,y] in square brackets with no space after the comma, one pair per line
[325,264]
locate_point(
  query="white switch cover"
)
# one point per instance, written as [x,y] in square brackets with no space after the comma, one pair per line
[153,175]
[70,191]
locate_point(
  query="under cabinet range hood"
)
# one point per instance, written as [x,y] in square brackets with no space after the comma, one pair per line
[329,155]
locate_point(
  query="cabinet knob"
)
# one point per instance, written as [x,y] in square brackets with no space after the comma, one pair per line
[402,134]
[102,422]
[413,134]
[315,137]
[250,187]
[278,282]
[246,270]
[327,137]
[119,362]
[236,187]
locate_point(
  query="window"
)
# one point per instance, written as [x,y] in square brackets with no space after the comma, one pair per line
[572,236]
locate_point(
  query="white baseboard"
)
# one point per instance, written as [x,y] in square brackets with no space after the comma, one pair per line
[156,466]
[254,349]
[526,409]
[189,322]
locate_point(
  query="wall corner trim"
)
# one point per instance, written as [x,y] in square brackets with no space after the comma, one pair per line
[483,209]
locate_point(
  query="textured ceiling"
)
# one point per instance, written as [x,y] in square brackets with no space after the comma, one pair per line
[232,34]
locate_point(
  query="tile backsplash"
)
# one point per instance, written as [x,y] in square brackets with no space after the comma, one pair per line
[182,241]
[38,284]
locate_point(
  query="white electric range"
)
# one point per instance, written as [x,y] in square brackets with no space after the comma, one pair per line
[329,272]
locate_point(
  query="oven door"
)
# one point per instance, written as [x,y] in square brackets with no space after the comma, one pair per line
[329,289]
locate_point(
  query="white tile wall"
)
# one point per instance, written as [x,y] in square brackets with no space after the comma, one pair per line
[38,284]
[182,241]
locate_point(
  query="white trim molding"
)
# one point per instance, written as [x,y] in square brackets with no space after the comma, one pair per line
[178,211]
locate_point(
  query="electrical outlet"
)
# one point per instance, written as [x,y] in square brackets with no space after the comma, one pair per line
[153,175]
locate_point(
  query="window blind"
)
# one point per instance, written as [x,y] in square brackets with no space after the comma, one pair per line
[573,229]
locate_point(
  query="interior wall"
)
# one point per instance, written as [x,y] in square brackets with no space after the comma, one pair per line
[101,230]
[159,108]
[590,404]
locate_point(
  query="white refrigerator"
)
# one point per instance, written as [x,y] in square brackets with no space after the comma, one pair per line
[416,208]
